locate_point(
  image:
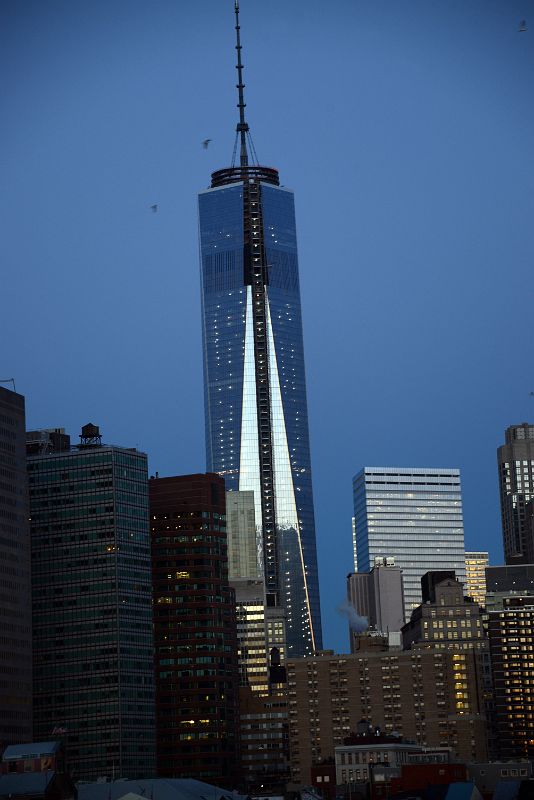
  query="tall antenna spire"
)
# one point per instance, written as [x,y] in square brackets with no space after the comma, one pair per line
[242,126]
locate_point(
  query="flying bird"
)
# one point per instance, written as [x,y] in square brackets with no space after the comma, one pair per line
[522,26]
[205,143]
[154,207]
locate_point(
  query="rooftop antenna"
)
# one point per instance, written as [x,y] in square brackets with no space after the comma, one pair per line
[242,126]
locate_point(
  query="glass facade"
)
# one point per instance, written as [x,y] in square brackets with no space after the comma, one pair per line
[248,443]
[92,609]
[414,515]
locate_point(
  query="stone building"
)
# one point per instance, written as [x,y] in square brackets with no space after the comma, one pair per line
[417,693]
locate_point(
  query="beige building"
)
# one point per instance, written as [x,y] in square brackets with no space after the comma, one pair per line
[475,574]
[243,559]
[448,620]
[419,694]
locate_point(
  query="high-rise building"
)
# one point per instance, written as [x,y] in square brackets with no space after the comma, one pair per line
[413,515]
[447,619]
[377,597]
[507,581]
[511,638]
[412,692]
[264,729]
[255,388]
[194,630]
[246,579]
[15,585]
[516,483]
[475,575]
[92,605]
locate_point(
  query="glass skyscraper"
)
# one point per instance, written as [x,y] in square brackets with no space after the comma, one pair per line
[516,482]
[255,389]
[414,515]
[93,645]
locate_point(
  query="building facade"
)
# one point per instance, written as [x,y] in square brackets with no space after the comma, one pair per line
[378,597]
[507,581]
[475,575]
[194,630]
[264,741]
[446,620]
[409,692]
[255,388]
[515,461]
[511,638]
[413,515]
[92,607]
[244,545]
[15,576]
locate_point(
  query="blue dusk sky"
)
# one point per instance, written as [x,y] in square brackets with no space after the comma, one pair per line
[406,130]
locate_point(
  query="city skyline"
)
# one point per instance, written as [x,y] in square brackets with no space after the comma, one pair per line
[90,263]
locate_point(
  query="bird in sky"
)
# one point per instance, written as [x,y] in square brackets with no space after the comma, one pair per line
[205,143]
[522,26]
[154,207]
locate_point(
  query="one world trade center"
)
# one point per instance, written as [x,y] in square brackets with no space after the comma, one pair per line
[254,380]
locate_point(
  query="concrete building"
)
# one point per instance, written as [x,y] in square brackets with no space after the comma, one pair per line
[516,482]
[378,597]
[194,630]
[92,605]
[251,634]
[15,567]
[475,575]
[447,619]
[414,693]
[246,578]
[413,515]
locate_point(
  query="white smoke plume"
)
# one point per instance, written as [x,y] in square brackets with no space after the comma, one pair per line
[357,624]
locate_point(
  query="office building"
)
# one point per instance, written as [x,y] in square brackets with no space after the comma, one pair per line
[251,634]
[516,483]
[377,597]
[92,606]
[255,387]
[475,575]
[511,638]
[410,692]
[446,619]
[194,630]
[15,585]
[414,516]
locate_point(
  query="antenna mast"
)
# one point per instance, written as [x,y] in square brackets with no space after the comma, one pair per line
[242,126]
